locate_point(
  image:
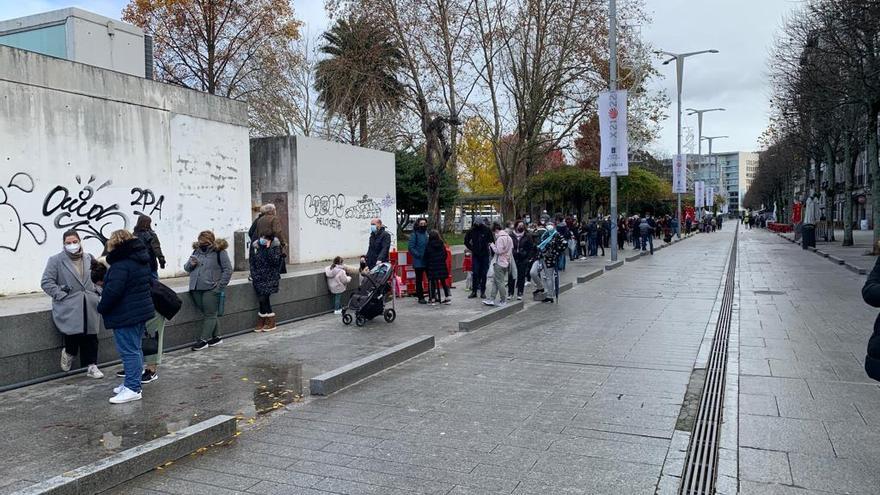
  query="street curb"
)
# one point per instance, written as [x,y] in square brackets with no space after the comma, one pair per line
[821,253]
[856,269]
[630,259]
[590,276]
[836,260]
[129,464]
[491,316]
[335,380]
[612,266]
[566,287]
[811,248]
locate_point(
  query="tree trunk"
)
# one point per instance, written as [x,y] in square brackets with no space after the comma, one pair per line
[874,169]
[848,165]
[362,116]
[830,190]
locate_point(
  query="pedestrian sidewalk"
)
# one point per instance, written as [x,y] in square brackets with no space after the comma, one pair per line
[859,254]
[62,424]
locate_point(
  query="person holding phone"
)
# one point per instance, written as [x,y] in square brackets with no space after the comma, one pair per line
[210,271]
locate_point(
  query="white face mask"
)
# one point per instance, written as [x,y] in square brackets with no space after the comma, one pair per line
[72,248]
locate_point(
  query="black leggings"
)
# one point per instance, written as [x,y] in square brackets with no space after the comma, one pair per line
[265,304]
[435,285]
[88,344]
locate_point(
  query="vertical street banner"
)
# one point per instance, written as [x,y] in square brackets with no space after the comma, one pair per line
[710,196]
[613,133]
[699,195]
[679,173]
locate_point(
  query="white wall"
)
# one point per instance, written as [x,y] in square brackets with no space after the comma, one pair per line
[339,188]
[72,158]
[91,43]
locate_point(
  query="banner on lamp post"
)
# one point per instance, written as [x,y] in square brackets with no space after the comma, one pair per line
[679,173]
[613,133]
[710,196]
[699,195]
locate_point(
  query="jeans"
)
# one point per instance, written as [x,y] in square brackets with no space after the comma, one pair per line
[208,302]
[536,273]
[88,344]
[265,304]
[500,280]
[560,265]
[550,281]
[155,276]
[420,289]
[128,345]
[434,286]
[522,272]
[592,242]
[337,302]
[156,327]
[480,267]
[648,240]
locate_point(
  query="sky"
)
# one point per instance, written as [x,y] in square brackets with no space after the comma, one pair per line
[736,78]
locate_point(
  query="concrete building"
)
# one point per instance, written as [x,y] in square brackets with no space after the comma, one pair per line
[91,149]
[731,173]
[80,36]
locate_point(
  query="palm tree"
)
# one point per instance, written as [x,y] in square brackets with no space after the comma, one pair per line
[359,75]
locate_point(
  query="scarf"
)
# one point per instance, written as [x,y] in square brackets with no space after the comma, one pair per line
[78,263]
[547,240]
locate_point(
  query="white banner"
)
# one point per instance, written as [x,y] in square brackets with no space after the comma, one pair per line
[679,173]
[613,133]
[699,194]
[710,196]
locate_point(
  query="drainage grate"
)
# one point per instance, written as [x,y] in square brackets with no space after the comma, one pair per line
[701,463]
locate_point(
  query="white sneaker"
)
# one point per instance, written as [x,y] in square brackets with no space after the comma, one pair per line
[528,283]
[488,302]
[125,395]
[66,360]
[94,372]
[118,388]
[337,312]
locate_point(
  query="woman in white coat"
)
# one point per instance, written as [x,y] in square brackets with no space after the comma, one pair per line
[67,280]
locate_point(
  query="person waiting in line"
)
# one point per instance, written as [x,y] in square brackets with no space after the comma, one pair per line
[523,249]
[379,246]
[268,223]
[337,282]
[416,249]
[167,304]
[563,230]
[551,247]
[647,234]
[265,264]
[435,265]
[503,250]
[67,280]
[143,230]
[477,241]
[209,271]
[127,304]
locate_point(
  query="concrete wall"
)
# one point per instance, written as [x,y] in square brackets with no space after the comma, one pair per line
[332,191]
[91,149]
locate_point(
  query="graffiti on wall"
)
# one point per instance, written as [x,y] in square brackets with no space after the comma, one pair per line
[329,210]
[365,209]
[145,200]
[12,226]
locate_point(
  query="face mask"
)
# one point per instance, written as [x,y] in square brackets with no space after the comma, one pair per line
[72,248]
[550,228]
[521,229]
[264,242]
[373,228]
[422,228]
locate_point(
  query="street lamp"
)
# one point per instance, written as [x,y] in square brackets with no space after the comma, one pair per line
[711,139]
[699,114]
[679,72]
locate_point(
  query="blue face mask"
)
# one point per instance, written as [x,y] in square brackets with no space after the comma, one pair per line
[264,242]
[551,228]
[373,228]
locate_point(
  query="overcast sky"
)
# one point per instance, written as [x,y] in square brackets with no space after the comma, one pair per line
[735,78]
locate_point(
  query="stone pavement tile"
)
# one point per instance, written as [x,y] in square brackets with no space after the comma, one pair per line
[764,466]
[796,407]
[241,467]
[850,392]
[502,455]
[803,369]
[613,427]
[413,485]
[752,342]
[295,453]
[442,439]
[758,405]
[467,490]
[130,489]
[434,461]
[607,449]
[749,366]
[321,437]
[834,474]
[593,475]
[855,441]
[754,488]
[306,424]
[623,438]
[204,476]
[766,385]
[272,488]
[433,474]
[784,434]
[183,487]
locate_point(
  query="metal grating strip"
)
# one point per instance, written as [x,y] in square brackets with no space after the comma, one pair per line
[701,463]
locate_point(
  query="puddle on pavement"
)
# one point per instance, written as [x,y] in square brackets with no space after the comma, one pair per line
[276,386]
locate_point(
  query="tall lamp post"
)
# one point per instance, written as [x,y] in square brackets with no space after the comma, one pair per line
[699,114]
[612,86]
[679,73]
[713,161]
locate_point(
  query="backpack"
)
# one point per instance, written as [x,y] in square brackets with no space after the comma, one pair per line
[166,301]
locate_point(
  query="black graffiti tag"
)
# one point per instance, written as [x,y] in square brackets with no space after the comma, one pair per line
[326,206]
[146,199]
[77,213]
[365,209]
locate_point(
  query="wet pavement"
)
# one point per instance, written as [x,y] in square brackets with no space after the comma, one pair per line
[63,424]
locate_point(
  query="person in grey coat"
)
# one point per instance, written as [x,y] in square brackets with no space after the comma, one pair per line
[209,271]
[67,280]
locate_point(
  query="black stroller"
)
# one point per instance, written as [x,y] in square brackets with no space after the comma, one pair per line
[369,300]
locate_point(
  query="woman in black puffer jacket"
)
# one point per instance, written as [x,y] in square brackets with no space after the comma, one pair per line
[435,265]
[126,304]
[871,295]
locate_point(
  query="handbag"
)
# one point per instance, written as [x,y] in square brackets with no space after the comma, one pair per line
[150,345]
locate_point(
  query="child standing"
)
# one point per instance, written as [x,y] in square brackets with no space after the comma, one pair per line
[435,264]
[337,280]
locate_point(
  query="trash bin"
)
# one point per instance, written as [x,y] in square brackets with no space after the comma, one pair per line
[808,236]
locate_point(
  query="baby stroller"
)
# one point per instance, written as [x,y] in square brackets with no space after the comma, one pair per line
[369,300]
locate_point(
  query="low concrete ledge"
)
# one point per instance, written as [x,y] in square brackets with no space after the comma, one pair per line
[124,466]
[856,269]
[836,260]
[332,381]
[612,266]
[635,257]
[490,316]
[590,276]
[566,287]
[812,248]
[821,253]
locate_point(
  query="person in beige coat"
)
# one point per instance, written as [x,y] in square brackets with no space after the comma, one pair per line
[337,280]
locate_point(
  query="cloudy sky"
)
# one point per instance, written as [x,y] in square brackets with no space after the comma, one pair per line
[735,78]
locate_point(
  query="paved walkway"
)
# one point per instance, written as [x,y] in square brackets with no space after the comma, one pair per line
[62,424]
[581,397]
[859,254]
[809,417]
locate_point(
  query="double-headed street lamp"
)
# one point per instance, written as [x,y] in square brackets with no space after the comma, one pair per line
[699,114]
[711,158]
[679,73]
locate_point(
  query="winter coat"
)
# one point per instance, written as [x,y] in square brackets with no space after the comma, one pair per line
[337,279]
[416,248]
[267,224]
[380,244]
[553,249]
[503,248]
[75,310]
[154,248]
[435,260]
[126,299]
[213,271]
[645,228]
[523,248]
[477,241]
[266,267]
[871,295]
